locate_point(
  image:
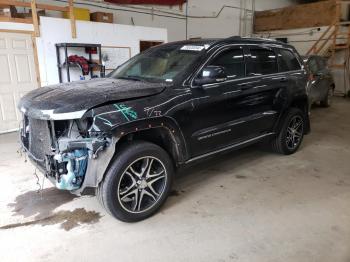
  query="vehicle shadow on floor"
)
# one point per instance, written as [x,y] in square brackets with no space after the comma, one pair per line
[194,176]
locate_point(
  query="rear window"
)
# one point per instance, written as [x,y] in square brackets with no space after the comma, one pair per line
[287,61]
[262,62]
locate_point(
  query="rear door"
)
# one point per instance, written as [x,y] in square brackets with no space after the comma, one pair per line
[266,85]
[290,67]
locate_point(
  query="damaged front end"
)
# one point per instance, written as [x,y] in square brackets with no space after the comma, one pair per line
[64,150]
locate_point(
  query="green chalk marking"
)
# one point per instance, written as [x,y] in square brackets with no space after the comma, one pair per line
[127,112]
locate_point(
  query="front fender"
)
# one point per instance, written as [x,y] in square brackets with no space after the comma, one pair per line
[119,120]
[123,118]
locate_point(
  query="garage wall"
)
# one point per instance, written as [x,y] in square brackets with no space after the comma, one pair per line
[57,30]
[16,26]
[220,18]
[209,21]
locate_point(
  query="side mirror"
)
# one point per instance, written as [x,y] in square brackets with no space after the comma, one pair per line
[211,75]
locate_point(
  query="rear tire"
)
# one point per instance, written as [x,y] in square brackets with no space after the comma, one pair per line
[327,101]
[291,133]
[137,182]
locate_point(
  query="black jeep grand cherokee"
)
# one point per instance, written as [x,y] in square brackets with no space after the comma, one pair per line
[174,104]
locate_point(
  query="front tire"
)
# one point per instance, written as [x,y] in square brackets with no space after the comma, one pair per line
[137,183]
[291,134]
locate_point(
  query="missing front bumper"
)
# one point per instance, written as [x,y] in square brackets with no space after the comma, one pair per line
[74,166]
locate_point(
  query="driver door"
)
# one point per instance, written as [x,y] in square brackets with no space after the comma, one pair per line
[216,118]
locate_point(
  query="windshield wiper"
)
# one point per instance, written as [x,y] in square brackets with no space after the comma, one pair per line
[135,78]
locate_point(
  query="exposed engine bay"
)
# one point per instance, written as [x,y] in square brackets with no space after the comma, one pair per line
[62,149]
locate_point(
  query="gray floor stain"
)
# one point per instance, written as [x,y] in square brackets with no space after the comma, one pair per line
[69,219]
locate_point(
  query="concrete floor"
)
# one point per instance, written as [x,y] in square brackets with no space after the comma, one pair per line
[250,205]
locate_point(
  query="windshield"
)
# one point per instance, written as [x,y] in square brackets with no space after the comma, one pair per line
[163,63]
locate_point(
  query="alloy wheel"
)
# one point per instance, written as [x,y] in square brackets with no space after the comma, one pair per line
[142,184]
[295,131]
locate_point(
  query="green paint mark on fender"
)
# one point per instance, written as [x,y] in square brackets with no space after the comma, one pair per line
[128,113]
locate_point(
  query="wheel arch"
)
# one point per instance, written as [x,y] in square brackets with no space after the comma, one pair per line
[300,102]
[162,132]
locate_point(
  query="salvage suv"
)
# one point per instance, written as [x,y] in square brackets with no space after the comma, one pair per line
[125,135]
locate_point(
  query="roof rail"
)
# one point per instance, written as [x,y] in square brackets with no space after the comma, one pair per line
[252,38]
[233,37]
[263,38]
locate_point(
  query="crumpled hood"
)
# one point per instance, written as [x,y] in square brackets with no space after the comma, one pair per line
[72,100]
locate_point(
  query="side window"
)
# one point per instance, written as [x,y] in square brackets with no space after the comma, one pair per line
[233,62]
[287,61]
[262,62]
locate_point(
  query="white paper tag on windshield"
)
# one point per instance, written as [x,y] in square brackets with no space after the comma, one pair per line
[192,48]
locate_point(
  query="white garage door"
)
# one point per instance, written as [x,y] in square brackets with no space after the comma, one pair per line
[17,76]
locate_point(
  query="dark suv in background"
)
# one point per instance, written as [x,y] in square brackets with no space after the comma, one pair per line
[174,104]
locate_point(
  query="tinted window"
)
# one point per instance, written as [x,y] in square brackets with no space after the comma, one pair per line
[287,61]
[262,62]
[233,62]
